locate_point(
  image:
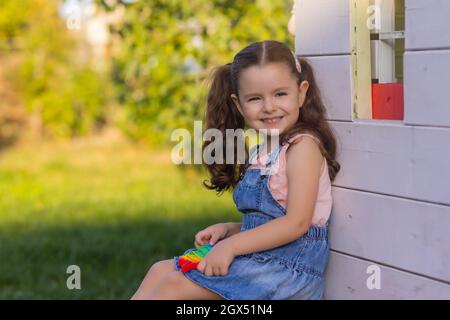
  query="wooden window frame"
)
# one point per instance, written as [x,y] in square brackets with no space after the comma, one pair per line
[377,55]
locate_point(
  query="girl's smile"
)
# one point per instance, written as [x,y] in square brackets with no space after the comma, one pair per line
[272,120]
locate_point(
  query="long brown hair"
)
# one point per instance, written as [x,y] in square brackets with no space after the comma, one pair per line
[222,114]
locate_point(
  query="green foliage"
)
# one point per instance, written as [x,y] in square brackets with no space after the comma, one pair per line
[162,55]
[63,90]
[75,108]
[157,38]
[13,18]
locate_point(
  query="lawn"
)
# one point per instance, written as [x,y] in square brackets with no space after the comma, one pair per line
[110,207]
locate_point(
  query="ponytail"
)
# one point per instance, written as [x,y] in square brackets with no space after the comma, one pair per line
[222,114]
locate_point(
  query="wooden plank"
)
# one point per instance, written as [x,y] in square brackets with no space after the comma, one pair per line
[383,54]
[391,158]
[399,46]
[406,234]
[333,76]
[346,278]
[427,80]
[427,24]
[322,27]
[361,70]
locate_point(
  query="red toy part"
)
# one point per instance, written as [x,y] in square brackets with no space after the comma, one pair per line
[187,265]
[192,257]
[387,101]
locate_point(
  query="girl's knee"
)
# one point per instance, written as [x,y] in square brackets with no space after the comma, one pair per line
[173,279]
[155,276]
[162,267]
[169,287]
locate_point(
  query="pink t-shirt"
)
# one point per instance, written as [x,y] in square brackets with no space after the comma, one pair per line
[278,184]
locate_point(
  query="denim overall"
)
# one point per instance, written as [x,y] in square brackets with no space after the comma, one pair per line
[292,271]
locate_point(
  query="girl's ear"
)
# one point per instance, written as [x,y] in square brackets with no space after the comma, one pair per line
[302,90]
[236,102]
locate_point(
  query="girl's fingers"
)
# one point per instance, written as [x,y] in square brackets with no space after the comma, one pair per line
[201,266]
[199,236]
[198,244]
[203,238]
[208,271]
[214,238]
[197,239]
[224,271]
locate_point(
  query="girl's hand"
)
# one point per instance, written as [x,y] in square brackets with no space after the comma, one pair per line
[217,261]
[212,234]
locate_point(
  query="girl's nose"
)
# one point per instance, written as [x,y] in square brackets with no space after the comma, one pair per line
[269,106]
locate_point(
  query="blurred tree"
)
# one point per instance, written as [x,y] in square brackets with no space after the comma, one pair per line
[56,83]
[163,51]
[12,21]
[166,49]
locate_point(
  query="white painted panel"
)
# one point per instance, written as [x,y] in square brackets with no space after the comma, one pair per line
[346,278]
[427,24]
[322,27]
[427,84]
[391,158]
[406,234]
[333,76]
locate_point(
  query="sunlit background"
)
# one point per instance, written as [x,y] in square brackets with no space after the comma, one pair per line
[90,92]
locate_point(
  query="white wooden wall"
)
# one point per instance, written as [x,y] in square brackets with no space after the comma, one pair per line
[392,196]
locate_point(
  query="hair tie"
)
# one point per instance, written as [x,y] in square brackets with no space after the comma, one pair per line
[297,64]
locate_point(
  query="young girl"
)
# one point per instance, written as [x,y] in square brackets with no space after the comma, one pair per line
[280,249]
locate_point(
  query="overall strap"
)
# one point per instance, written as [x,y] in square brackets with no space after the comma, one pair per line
[255,150]
[271,160]
[272,164]
[252,153]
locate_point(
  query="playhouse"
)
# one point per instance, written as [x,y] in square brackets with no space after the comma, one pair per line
[383,68]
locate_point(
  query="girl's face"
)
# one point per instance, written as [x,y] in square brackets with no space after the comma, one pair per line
[269,97]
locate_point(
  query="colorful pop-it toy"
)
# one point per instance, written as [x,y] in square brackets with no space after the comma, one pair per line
[192,257]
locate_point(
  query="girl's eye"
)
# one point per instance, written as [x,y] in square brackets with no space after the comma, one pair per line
[280,93]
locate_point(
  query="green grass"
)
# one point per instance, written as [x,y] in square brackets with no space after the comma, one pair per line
[109,207]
